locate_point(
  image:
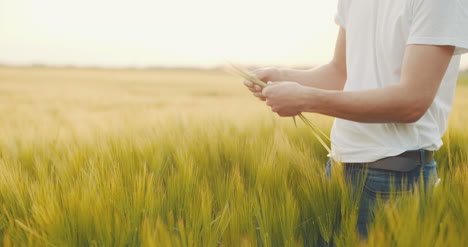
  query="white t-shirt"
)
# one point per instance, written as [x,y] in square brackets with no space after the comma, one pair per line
[377,32]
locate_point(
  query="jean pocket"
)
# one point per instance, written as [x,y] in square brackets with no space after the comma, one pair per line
[430,175]
[386,184]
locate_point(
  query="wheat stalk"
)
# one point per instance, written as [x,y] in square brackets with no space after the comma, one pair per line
[244,73]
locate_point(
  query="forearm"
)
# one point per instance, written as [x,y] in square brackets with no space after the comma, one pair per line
[394,104]
[405,102]
[328,77]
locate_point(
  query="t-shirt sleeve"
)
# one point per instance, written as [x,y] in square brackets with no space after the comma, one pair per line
[340,16]
[440,22]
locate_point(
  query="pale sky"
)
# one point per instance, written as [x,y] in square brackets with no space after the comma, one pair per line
[167,33]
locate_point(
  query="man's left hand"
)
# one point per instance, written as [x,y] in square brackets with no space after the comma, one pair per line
[284,98]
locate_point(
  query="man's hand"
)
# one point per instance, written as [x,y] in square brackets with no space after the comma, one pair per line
[266,75]
[284,98]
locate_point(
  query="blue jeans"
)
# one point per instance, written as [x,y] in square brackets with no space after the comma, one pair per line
[381,184]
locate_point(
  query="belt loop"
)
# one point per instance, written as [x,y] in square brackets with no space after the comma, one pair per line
[423,156]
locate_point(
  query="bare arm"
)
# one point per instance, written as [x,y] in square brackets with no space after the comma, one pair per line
[331,76]
[403,103]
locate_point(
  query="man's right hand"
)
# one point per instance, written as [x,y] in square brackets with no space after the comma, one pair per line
[266,75]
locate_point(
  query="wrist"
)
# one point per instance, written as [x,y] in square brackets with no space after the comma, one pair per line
[312,99]
[279,74]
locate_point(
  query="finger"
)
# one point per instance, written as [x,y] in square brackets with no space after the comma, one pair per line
[260,74]
[255,89]
[285,114]
[248,83]
[258,88]
[259,95]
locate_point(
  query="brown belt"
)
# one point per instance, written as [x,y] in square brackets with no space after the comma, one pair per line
[404,162]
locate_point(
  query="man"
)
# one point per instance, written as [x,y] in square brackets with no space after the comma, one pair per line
[390,86]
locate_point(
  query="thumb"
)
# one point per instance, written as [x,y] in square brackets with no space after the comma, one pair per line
[271,83]
[266,90]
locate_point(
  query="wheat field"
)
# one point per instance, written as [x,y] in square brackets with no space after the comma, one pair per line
[92,157]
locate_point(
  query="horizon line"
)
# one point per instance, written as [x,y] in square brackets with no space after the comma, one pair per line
[218,67]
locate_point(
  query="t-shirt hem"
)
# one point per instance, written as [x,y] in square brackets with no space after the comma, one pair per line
[461,45]
[363,159]
[353,158]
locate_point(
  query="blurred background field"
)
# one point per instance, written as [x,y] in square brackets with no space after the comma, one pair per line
[94,157]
